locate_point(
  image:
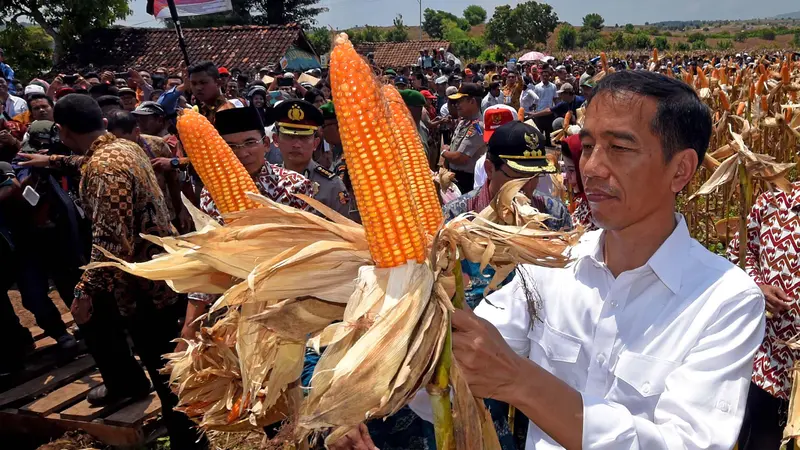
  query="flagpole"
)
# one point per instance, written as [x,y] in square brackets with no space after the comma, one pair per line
[173,11]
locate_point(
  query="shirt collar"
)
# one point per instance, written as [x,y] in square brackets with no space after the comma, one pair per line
[666,262]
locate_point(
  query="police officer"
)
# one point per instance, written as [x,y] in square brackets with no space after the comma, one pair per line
[467,145]
[296,125]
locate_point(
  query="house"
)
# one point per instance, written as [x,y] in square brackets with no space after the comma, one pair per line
[399,54]
[247,48]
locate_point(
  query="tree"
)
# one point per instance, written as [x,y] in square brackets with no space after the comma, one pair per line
[523,26]
[725,44]
[617,40]
[399,33]
[260,12]
[475,14]
[567,37]
[64,20]
[587,35]
[661,43]
[629,28]
[28,49]
[696,37]
[320,39]
[371,34]
[796,40]
[768,34]
[593,20]
[432,23]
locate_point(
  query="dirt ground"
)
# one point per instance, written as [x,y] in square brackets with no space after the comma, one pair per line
[25,316]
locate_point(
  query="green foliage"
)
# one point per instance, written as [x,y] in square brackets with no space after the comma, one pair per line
[593,20]
[28,50]
[617,40]
[475,14]
[64,20]
[597,45]
[629,28]
[587,35]
[433,22]
[768,34]
[699,45]
[725,44]
[740,36]
[638,41]
[469,48]
[492,54]
[682,46]
[398,33]
[320,39]
[661,43]
[367,34]
[696,37]
[567,37]
[796,40]
[514,29]
[667,34]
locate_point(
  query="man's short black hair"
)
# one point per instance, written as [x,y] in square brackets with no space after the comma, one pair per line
[207,67]
[109,100]
[494,85]
[78,113]
[174,76]
[121,120]
[681,121]
[33,97]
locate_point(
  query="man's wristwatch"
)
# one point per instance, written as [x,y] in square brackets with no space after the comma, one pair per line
[175,163]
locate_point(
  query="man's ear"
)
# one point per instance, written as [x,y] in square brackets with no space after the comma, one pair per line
[683,166]
[488,166]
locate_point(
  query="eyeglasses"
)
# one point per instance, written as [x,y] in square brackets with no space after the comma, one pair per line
[247,144]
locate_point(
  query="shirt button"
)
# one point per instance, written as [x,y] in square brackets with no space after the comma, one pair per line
[646,388]
[723,406]
[601,359]
[614,304]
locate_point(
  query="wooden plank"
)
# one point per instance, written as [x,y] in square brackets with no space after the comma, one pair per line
[84,411]
[134,414]
[47,382]
[38,333]
[52,427]
[64,396]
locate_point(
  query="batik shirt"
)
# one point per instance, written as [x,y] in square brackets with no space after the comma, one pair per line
[120,194]
[773,251]
[582,215]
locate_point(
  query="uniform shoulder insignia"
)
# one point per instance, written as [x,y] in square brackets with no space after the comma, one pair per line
[325,172]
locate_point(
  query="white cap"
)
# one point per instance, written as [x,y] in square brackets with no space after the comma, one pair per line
[441,80]
[288,75]
[506,107]
[33,89]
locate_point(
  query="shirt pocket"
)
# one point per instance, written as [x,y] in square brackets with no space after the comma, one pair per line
[639,381]
[557,352]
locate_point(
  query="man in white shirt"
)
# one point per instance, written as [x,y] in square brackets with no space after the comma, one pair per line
[493,97]
[13,105]
[647,340]
[529,99]
[546,92]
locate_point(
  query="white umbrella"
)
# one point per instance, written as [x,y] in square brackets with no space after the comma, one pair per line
[532,56]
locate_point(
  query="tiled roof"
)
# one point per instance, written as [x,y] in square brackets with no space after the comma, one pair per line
[397,54]
[245,47]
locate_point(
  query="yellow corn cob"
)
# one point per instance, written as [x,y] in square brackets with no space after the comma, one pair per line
[223,175]
[415,161]
[393,231]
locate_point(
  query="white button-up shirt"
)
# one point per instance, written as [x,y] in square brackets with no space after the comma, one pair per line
[661,355]
[15,105]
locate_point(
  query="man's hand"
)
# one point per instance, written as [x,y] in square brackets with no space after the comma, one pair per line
[82,309]
[488,363]
[162,164]
[355,439]
[34,160]
[135,77]
[777,300]
[7,140]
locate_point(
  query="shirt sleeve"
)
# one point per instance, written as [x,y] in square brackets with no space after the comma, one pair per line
[473,143]
[704,398]
[560,109]
[108,190]
[751,264]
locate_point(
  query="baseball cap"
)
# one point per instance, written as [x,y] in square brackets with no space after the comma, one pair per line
[451,90]
[566,87]
[33,89]
[126,91]
[441,80]
[561,68]
[467,90]
[148,109]
[495,117]
[389,72]
[412,97]
[223,71]
[401,80]
[521,147]
[468,72]
[41,133]
[427,94]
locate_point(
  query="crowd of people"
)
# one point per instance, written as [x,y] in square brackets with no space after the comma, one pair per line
[648,342]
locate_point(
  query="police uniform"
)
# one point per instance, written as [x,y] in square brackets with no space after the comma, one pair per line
[301,118]
[467,139]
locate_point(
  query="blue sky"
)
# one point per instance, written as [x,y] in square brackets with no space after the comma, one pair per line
[349,13]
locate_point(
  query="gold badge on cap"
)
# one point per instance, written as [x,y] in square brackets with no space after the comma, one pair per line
[532,142]
[296,113]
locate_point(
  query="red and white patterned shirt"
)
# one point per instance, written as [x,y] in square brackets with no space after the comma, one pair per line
[773,258]
[275,183]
